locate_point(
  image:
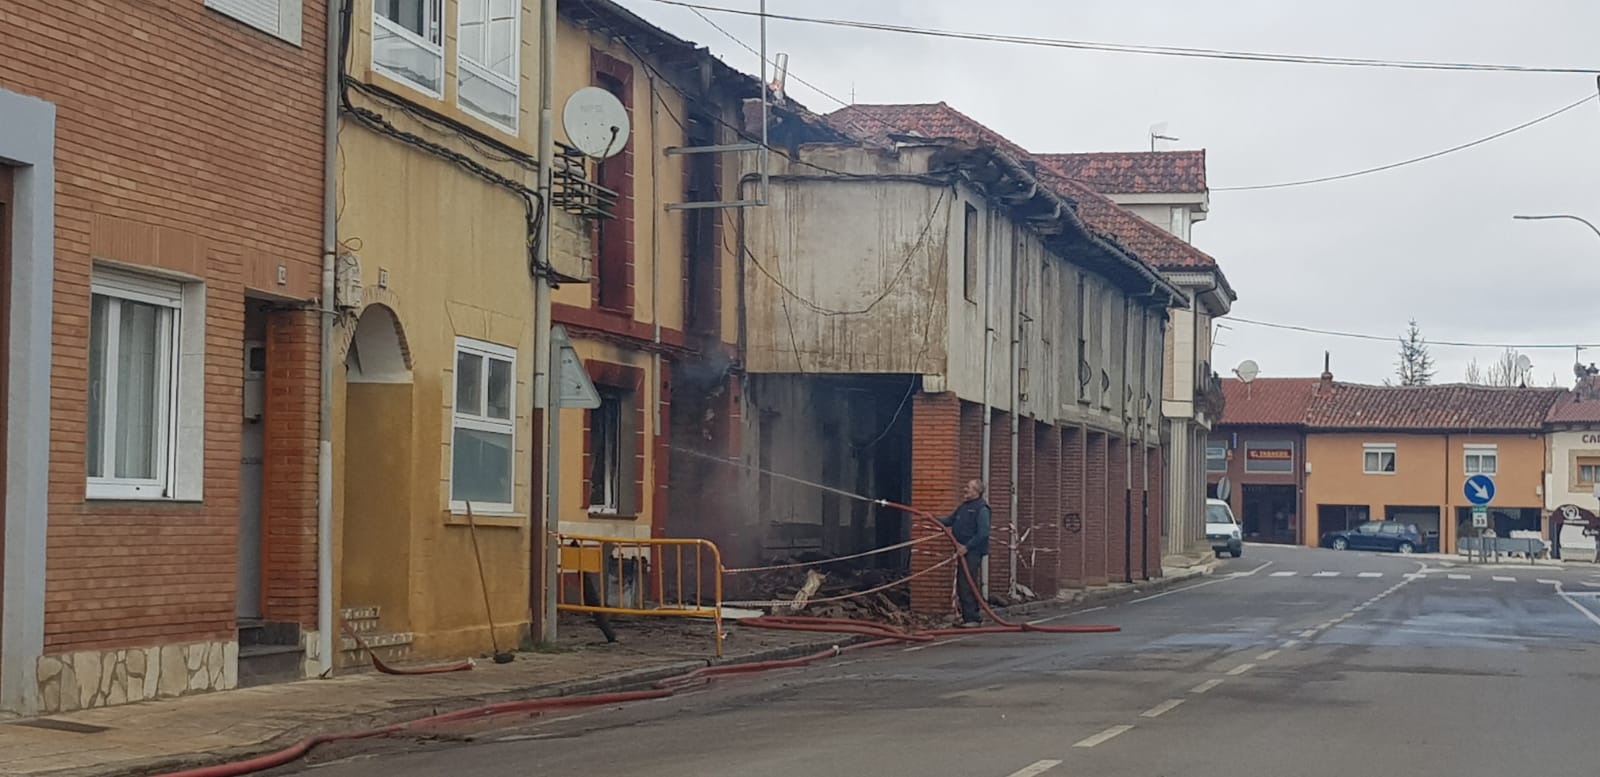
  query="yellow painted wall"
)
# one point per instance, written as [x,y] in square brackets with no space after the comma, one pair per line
[454,248]
[1430,470]
[575,518]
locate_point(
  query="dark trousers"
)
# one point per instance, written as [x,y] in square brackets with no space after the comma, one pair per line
[964,592]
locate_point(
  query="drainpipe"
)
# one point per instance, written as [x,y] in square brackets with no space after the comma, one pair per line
[330,247]
[988,355]
[1016,409]
[542,324]
[655,272]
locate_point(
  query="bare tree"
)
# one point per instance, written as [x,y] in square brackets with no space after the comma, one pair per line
[1415,367]
[1505,370]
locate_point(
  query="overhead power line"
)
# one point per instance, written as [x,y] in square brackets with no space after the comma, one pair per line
[1411,161]
[1392,338]
[1126,48]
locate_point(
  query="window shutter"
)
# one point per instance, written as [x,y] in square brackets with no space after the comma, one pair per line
[280,18]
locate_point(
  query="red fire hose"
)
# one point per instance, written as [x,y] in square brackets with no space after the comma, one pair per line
[887,635]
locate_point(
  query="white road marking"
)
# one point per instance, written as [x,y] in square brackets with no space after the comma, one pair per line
[1548,581]
[1102,737]
[1591,585]
[1290,643]
[1035,769]
[1161,709]
[1326,574]
[1308,633]
[1253,571]
[926,645]
[1284,574]
[1587,613]
[1503,579]
[1240,669]
[1459,577]
[1267,656]
[1205,686]
[1212,581]
[1370,574]
[1065,615]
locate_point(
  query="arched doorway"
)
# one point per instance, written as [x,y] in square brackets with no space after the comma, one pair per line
[379,420]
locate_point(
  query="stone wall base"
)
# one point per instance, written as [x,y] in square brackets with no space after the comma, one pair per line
[105,678]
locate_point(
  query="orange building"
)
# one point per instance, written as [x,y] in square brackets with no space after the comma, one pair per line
[1405,453]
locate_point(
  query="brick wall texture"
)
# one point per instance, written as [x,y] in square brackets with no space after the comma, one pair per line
[289,463]
[1157,509]
[935,486]
[1045,547]
[1096,504]
[1073,507]
[190,142]
[1117,488]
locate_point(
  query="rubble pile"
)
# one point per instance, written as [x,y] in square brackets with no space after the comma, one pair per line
[826,581]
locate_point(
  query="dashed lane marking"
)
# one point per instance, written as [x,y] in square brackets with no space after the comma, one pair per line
[1205,686]
[1548,581]
[1240,669]
[1267,656]
[1503,579]
[1104,736]
[1459,577]
[1289,643]
[1034,769]
[1161,709]
[1326,574]
[1284,574]
[1370,574]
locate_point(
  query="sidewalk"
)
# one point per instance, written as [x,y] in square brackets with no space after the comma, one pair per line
[161,736]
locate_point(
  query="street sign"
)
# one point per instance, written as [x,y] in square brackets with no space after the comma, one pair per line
[1479,489]
[577,391]
[1480,517]
[1224,488]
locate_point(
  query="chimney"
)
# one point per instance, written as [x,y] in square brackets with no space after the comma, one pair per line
[1327,370]
[1588,388]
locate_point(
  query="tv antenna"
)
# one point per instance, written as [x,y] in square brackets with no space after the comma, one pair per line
[1158,131]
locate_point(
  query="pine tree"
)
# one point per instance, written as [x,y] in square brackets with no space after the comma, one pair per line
[1415,367]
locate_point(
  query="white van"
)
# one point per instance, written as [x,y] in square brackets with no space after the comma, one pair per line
[1222,531]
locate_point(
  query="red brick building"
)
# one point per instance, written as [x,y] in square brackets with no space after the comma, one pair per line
[1259,449]
[160,219]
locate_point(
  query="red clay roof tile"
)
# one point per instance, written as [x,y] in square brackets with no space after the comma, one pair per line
[1267,401]
[1134,172]
[1451,407]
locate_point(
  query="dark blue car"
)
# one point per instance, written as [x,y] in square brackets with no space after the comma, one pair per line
[1389,536]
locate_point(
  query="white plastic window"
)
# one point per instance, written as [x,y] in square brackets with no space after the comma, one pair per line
[1378,459]
[487,40]
[133,369]
[482,445]
[407,44]
[1482,460]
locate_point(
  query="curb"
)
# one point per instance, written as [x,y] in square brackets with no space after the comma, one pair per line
[1100,596]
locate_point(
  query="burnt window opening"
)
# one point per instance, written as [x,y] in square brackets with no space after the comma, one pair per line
[613,241]
[701,252]
[969,254]
[610,460]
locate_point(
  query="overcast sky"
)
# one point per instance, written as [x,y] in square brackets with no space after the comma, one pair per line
[1434,241]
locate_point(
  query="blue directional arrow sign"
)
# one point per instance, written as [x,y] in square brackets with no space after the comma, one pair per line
[1479,489]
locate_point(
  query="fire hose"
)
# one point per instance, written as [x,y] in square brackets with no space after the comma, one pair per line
[885,634]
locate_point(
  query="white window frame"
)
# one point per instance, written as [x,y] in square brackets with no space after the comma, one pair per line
[1480,452]
[1379,448]
[278,18]
[1223,458]
[467,64]
[435,45]
[180,448]
[482,421]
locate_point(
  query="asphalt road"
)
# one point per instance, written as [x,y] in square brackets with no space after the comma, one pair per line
[1287,662]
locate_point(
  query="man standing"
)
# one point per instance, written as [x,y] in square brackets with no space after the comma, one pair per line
[970,525]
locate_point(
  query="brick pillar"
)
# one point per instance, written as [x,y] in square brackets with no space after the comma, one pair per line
[1074,512]
[1117,515]
[1046,524]
[1026,541]
[935,487]
[289,468]
[1000,503]
[971,442]
[1152,455]
[1096,503]
[1138,499]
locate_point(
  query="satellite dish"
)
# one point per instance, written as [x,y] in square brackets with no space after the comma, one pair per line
[1524,363]
[596,122]
[1247,371]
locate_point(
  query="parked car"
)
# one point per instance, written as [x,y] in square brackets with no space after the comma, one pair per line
[1222,530]
[1390,536]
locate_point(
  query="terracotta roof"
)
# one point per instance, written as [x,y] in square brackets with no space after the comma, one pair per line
[938,121]
[1135,172]
[1573,408]
[1267,401]
[1452,407]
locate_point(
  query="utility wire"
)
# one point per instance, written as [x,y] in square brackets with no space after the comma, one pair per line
[1411,161]
[1125,48]
[1391,339]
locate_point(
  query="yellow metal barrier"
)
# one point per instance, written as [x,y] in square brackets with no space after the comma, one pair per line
[647,577]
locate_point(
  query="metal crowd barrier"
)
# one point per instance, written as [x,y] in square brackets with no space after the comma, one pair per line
[641,577]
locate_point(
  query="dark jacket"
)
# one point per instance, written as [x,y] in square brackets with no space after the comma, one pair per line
[970,524]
